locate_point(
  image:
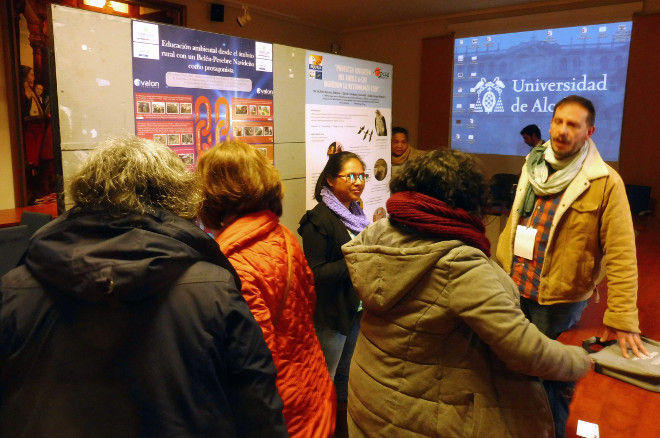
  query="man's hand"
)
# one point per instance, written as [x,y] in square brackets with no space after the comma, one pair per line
[626,340]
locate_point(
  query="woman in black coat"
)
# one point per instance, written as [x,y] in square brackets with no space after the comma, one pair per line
[335,220]
[126,320]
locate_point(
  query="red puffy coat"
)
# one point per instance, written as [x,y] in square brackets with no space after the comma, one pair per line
[256,247]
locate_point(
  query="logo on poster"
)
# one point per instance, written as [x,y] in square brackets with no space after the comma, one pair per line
[487,100]
[315,62]
[381,74]
[146,84]
[264,91]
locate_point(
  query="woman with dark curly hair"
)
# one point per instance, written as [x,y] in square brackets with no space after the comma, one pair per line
[444,349]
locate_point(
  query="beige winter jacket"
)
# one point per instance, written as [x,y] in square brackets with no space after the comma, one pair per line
[443,345]
[592,222]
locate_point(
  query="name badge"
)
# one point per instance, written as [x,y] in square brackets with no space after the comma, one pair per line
[523,246]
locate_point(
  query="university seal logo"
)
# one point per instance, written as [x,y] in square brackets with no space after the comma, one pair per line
[487,100]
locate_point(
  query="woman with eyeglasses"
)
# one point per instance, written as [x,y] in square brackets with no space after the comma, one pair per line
[335,220]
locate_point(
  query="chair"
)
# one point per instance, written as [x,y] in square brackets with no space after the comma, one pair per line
[13,244]
[639,198]
[502,188]
[34,220]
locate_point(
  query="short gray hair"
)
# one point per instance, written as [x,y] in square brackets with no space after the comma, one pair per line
[134,175]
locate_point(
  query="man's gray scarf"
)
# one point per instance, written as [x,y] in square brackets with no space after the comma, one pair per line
[539,161]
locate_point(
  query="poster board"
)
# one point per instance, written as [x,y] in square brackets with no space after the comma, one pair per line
[349,108]
[93,86]
[103,90]
[142,81]
[196,89]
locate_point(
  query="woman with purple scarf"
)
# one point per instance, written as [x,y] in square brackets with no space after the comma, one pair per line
[335,220]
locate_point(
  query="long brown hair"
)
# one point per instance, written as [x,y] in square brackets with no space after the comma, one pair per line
[236,179]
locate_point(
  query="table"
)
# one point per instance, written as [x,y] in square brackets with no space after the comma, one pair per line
[12,216]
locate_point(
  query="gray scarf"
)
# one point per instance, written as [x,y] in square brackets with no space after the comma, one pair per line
[538,161]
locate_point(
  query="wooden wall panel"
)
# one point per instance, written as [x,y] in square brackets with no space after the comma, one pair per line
[639,159]
[435,92]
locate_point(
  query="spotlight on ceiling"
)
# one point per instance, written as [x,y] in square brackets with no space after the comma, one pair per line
[245,18]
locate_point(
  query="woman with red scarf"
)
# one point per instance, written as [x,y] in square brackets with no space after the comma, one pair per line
[444,349]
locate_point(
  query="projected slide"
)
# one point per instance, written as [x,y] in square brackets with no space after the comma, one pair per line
[505,82]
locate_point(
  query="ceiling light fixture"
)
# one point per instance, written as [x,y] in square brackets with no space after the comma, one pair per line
[245,18]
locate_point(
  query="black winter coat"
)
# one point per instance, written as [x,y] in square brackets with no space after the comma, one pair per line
[131,326]
[323,234]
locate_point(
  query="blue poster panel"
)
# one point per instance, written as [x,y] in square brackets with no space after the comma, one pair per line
[195,89]
[505,82]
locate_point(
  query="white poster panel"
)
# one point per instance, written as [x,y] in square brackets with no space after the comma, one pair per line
[349,107]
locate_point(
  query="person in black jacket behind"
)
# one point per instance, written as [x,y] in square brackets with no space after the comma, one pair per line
[126,320]
[335,220]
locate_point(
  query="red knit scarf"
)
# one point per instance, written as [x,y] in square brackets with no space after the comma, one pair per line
[432,216]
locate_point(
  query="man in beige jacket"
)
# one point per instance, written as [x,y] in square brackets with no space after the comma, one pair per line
[571,213]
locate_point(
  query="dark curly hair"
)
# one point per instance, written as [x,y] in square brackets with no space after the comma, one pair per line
[451,176]
[531,129]
[400,130]
[333,166]
[131,174]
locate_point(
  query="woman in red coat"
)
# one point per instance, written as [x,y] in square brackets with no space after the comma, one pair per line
[242,202]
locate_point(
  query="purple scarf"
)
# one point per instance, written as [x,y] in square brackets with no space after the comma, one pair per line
[353,217]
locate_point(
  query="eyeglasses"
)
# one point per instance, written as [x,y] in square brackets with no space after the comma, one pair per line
[351,177]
